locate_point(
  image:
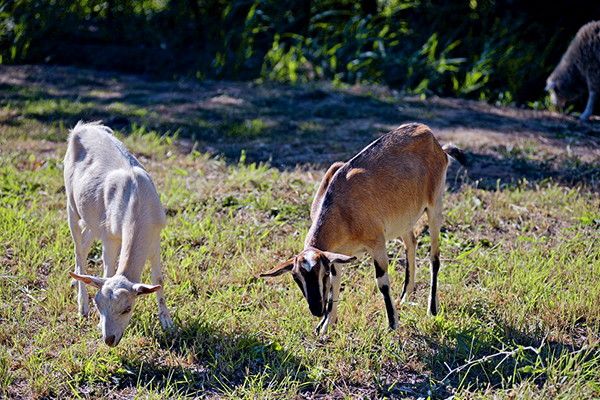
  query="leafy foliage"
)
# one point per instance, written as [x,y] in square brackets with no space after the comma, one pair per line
[495,51]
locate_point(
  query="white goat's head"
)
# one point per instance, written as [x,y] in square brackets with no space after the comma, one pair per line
[115,300]
[311,270]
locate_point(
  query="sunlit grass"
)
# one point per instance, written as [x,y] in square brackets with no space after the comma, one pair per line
[519,289]
[519,286]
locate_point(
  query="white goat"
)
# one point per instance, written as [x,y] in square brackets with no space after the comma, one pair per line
[579,69]
[113,194]
[376,196]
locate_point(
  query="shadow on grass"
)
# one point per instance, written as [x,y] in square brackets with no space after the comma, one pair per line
[498,171]
[211,361]
[501,356]
[294,125]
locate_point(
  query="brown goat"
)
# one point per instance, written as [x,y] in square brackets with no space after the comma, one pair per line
[376,196]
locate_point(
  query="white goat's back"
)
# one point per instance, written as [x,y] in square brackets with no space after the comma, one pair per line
[105,183]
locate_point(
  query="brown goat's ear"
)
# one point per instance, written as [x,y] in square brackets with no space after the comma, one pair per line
[280,269]
[336,258]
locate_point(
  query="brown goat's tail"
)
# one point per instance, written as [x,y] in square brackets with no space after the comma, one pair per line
[456,153]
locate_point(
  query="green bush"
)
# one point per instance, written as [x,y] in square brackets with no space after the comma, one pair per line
[480,49]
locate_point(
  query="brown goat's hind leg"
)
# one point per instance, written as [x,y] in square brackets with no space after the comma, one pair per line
[409,280]
[434,216]
[380,259]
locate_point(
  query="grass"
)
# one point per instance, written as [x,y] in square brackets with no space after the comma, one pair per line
[519,288]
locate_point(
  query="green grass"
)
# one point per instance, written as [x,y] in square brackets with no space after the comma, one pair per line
[520,294]
[519,289]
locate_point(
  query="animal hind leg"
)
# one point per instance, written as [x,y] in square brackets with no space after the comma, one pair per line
[83,243]
[409,280]
[380,259]
[110,250]
[434,216]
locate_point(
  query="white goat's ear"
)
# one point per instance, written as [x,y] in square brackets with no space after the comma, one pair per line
[336,258]
[141,289]
[89,280]
[280,269]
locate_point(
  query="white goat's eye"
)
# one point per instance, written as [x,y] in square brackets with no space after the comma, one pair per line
[126,311]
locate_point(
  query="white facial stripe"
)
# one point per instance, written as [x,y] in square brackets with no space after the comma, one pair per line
[311,260]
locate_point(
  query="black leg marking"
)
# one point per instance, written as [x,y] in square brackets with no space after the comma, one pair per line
[406,275]
[379,272]
[389,305]
[435,267]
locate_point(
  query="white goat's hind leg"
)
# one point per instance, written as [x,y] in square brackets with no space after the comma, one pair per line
[83,243]
[589,108]
[435,223]
[157,279]
[380,259]
[409,280]
[110,251]
[330,317]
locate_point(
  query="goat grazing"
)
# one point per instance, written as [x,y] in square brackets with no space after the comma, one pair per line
[113,194]
[578,69]
[376,196]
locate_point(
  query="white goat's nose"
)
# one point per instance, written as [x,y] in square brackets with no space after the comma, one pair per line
[110,340]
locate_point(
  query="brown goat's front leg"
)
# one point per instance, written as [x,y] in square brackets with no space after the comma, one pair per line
[381,262]
[331,312]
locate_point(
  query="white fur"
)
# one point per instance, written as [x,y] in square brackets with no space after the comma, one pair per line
[311,260]
[111,192]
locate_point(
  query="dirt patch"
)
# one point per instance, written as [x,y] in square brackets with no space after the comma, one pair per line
[313,124]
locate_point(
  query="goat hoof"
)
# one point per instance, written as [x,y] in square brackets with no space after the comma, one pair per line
[167,324]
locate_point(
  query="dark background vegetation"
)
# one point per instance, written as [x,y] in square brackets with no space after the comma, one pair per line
[498,51]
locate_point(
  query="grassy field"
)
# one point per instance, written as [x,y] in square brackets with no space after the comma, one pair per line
[519,285]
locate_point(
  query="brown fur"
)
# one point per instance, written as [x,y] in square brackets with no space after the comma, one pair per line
[314,209]
[399,173]
[376,196]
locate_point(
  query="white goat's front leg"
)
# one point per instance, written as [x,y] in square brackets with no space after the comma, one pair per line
[83,244]
[164,315]
[409,280]
[380,259]
[330,317]
[435,223]
[589,108]
[110,250]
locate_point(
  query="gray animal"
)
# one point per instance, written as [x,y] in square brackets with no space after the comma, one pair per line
[578,68]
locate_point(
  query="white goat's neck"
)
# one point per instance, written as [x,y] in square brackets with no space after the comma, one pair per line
[135,249]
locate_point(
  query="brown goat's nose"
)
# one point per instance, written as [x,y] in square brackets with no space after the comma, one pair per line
[110,340]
